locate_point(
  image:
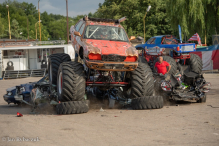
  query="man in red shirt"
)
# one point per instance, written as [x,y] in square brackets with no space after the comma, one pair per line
[162,66]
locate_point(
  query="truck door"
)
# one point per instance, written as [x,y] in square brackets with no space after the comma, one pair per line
[74,41]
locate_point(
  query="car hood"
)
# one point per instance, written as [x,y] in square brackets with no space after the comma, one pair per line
[106,47]
[11,89]
[28,87]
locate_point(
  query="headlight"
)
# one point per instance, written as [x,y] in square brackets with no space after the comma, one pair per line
[93,56]
[9,93]
[130,59]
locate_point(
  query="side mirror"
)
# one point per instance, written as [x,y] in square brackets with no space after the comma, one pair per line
[132,38]
[77,33]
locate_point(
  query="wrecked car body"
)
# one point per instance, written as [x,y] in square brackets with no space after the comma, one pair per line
[22,93]
[184,86]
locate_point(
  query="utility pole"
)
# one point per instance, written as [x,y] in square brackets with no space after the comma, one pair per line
[27,30]
[7,6]
[148,9]
[67,21]
[39,18]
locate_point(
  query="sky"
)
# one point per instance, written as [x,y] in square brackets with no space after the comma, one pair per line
[75,7]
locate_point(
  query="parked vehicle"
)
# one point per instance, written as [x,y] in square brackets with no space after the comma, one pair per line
[190,85]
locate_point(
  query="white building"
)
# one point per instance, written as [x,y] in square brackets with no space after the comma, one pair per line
[24,56]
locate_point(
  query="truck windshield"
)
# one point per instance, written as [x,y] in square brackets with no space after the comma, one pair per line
[100,32]
[169,40]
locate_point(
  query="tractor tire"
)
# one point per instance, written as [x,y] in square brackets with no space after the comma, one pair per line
[141,82]
[202,100]
[195,63]
[54,61]
[142,59]
[71,82]
[72,107]
[171,61]
[147,102]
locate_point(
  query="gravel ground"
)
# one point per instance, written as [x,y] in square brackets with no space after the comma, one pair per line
[186,124]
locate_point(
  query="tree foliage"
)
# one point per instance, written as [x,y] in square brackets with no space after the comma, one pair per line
[24,16]
[194,16]
[157,22]
[163,18]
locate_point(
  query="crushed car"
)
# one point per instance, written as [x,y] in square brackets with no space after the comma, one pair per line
[183,86]
[16,93]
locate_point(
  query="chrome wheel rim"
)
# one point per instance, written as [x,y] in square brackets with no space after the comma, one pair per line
[60,83]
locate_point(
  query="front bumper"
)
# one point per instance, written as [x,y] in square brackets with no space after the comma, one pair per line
[111,66]
[10,99]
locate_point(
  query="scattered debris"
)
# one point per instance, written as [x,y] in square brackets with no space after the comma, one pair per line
[104,116]
[19,114]
[206,122]
[101,109]
[177,104]
[54,102]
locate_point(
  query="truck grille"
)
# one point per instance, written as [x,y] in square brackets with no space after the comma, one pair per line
[187,48]
[113,57]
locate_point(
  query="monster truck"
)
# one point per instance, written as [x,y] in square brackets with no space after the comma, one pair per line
[172,51]
[108,62]
[189,66]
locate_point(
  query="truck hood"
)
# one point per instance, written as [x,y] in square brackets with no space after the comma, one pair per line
[106,47]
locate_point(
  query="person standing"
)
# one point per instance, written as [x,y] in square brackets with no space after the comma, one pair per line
[162,66]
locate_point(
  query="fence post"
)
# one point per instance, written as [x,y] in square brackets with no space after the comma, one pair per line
[31,73]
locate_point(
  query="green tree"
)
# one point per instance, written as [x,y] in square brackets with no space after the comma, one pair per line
[194,16]
[157,22]
[16,32]
[57,29]
[2,27]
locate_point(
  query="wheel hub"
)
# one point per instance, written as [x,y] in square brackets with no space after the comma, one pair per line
[60,83]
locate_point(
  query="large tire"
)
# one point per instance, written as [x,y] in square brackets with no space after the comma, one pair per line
[148,102]
[10,63]
[71,81]
[171,61]
[54,61]
[142,59]
[72,107]
[195,63]
[141,82]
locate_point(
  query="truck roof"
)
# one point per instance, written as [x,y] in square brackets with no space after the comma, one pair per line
[103,21]
[160,36]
